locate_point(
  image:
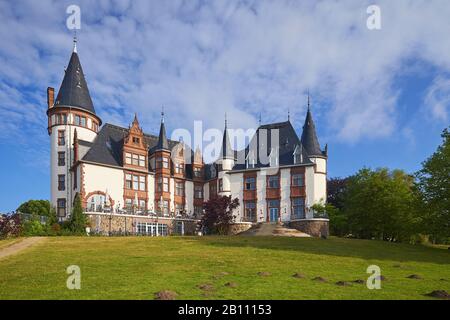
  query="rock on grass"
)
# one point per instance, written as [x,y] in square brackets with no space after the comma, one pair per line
[343,284]
[320,279]
[298,275]
[165,295]
[440,294]
[414,276]
[231,284]
[206,286]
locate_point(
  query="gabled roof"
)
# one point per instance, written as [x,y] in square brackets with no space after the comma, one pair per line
[74,91]
[287,142]
[107,148]
[309,136]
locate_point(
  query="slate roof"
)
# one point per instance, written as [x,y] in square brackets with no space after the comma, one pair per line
[288,140]
[309,136]
[74,91]
[162,143]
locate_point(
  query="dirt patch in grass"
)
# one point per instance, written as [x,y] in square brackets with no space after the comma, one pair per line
[343,284]
[231,284]
[220,275]
[165,295]
[206,287]
[264,274]
[440,294]
[414,276]
[319,279]
[298,275]
[358,281]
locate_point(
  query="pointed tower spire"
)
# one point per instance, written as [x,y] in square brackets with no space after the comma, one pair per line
[74,91]
[227,151]
[162,144]
[309,136]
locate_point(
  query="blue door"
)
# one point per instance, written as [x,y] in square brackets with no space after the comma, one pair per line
[273,214]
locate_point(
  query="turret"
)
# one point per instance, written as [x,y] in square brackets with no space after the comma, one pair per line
[72,109]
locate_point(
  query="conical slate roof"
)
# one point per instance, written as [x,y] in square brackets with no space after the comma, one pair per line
[226,152]
[309,136]
[162,144]
[74,91]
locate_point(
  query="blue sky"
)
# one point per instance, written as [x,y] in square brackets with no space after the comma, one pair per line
[379,97]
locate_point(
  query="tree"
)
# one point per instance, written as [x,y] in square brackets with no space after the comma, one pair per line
[380,204]
[37,207]
[78,219]
[433,183]
[338,220]
[218,214]
[336,191]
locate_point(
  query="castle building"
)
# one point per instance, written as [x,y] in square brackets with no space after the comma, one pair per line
[134,182]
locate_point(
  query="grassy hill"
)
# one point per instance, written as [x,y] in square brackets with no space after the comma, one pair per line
[137,267]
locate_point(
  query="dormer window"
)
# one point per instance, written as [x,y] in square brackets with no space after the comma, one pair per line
[298,155]
[250,161]
[273,157]
[136,140]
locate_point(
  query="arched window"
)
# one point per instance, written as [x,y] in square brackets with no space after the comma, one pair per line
[96,203]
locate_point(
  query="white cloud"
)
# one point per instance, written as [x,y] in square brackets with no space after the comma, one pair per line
[200,59]
[437,99]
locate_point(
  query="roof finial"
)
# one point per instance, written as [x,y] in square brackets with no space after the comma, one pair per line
[289,115]
[226,120]
[308,99]
[162,114]
[260,119]
[75,40]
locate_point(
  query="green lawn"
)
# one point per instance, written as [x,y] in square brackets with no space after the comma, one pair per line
[137,267]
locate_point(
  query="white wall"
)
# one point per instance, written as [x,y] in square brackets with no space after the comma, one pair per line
[151,192]
[237,191]
[100,178]
[285,186]
[189,194]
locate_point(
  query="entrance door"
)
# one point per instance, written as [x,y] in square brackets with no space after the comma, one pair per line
[273,214]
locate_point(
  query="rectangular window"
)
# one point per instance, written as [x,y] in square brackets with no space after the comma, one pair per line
[142,183]
[250,183]
[61,159]
[61,182]
[77,120]
[198,192]
[179,168]
[179,189]
[179,208]
[142,205]
[166,184]
[298,179]
[83,121]
[61,207]
[198,211]
[250,211]
[135,161]
[274,182]
[128,158]
[136,140]
[197,172]
[128,203]
[128,181]
[298,208]
[61,137]
[165,162]
[163,207]
[141,161]
[273,203]
[136,182]
[159,184]
[220,185]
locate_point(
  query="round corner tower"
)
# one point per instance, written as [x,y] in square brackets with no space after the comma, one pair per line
[71,118]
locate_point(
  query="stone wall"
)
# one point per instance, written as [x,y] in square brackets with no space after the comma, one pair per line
[313,227]
[105,224]
[239,227]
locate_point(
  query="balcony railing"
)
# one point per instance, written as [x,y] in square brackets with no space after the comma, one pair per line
[141,212]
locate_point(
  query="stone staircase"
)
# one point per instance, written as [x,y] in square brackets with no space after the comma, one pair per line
[273,229]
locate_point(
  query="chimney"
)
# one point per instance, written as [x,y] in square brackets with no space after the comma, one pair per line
[50,97]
